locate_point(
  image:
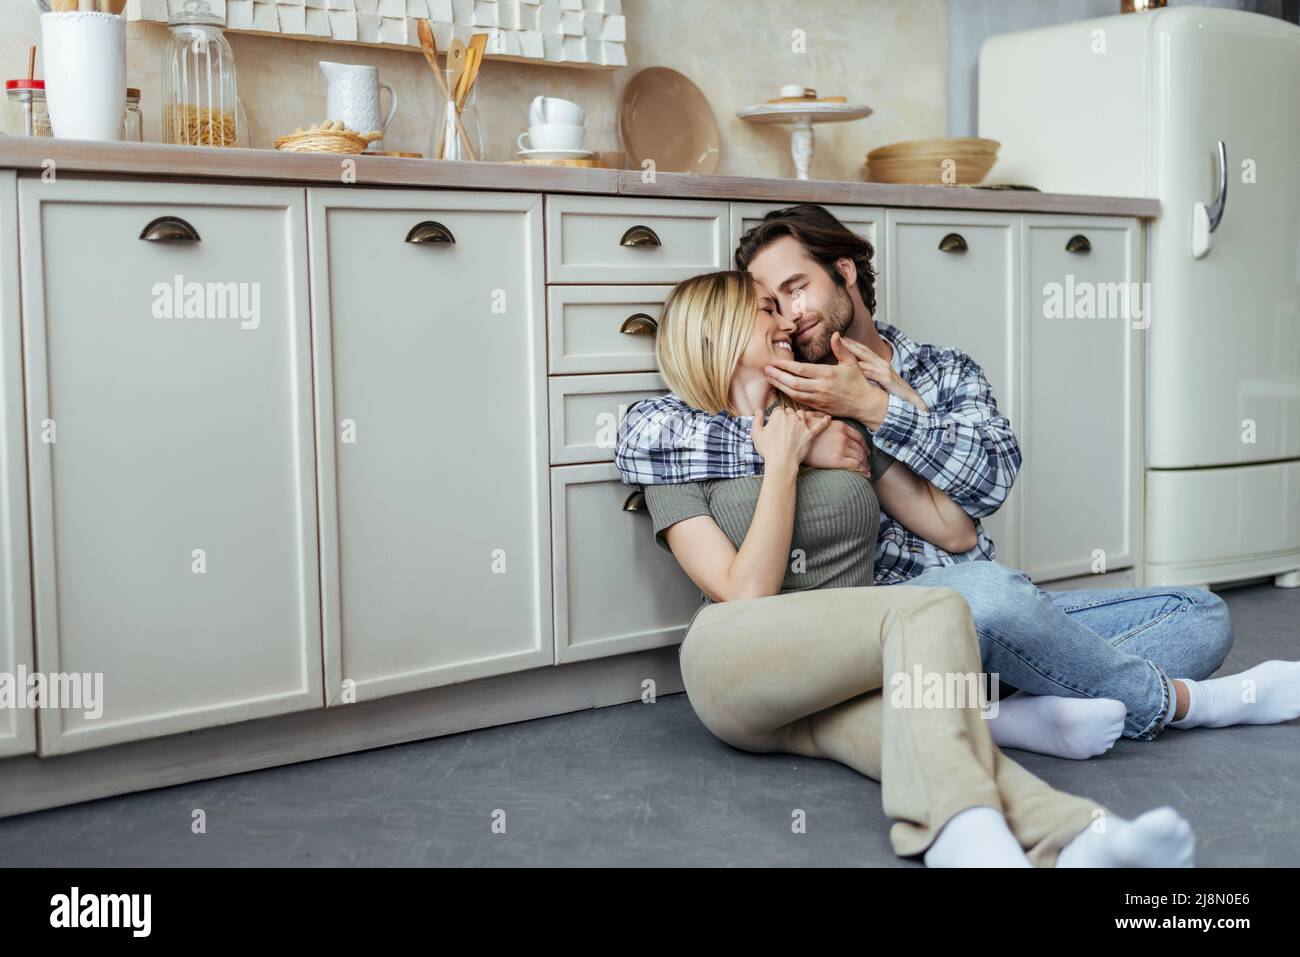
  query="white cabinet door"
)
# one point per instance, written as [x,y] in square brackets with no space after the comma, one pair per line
[17,721]
[616,590]
[1080,483]
[170,454]
[867,221]
[430,357]
[951,281]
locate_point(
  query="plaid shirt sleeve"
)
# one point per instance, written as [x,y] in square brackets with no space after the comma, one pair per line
[964,445]
[664,441]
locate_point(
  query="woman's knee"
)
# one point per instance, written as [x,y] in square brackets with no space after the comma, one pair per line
[1212,627]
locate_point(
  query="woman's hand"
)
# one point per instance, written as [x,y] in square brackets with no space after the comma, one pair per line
[787,436]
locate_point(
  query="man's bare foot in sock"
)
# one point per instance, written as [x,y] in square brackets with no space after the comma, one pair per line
[1159,838]
[1075,728]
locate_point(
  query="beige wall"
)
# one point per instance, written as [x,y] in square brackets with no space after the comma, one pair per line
[889,54]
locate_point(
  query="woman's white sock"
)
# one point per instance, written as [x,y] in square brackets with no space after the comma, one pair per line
[1062,727]
[976,837]
[1268,693]
[1159,838]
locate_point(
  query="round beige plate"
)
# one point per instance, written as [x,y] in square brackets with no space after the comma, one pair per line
[664,117]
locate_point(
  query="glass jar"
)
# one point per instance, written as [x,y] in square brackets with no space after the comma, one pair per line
[200,103]
[25,113]
[452,141]
[133,121]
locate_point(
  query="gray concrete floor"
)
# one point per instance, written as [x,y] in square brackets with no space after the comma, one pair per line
[649,785]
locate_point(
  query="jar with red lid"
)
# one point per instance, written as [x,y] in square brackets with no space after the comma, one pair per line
[25,113]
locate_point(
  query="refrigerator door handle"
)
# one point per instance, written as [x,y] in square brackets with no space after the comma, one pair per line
[1206,220]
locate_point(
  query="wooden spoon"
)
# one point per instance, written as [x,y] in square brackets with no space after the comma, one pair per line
[429,47]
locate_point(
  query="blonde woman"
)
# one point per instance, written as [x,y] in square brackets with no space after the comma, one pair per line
[791,651]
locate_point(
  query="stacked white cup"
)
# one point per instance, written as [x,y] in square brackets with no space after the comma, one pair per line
[556,124]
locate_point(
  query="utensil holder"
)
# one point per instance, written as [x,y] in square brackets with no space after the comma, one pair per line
[85,73]
[452,140]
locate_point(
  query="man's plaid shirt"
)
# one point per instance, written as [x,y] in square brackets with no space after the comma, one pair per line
[963,446]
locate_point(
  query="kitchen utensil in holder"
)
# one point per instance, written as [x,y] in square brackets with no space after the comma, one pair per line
[457,135]
[200,102]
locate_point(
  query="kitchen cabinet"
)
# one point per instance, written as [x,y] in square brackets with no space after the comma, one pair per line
[430,370]
[952,282]
[867,221]
[1081,328]
[615,239]
[616,590]
[586,412]
[17,722]
[170,453]
[603,328]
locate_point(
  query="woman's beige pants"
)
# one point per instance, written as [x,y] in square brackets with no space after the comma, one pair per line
[813,673]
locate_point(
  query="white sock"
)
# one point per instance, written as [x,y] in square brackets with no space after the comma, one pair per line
[976,837]
[1159,838]
[1062,727]
[1268,693]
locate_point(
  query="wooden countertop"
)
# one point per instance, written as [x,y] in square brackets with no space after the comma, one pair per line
[270,166]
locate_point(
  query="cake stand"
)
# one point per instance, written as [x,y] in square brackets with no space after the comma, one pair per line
[802,116]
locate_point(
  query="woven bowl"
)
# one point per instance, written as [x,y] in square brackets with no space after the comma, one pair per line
[967,171]
[326,141]
[943,146]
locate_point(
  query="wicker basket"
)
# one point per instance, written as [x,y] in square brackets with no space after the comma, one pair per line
[327,141]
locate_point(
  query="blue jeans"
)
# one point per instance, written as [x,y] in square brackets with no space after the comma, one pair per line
[1124,643]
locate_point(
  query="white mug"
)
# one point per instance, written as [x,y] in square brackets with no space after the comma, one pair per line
[85,73]
[352,95]
[549,110]
[552,136]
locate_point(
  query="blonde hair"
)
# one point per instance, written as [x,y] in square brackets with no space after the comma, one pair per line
[703,331]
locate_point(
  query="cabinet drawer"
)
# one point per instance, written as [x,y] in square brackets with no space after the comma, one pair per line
[616,590]
[183,562]
[1078,498]
[629,240]
[586,411]
[603,328]
[952,283]
[435,560]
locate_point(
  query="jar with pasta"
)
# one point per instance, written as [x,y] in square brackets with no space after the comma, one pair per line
[200,103]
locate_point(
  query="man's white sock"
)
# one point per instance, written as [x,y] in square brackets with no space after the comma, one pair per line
[1268,693]
[1062,727]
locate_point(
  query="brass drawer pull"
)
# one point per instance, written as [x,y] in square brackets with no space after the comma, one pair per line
[640,236]
[953,243]
[1078,244]
[430,231]
[169,229]
[639,324]
[635,502]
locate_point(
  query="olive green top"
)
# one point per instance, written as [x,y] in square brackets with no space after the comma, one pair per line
[836,518]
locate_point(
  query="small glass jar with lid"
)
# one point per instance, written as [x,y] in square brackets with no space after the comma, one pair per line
[133,121]
[200,102]
[25,112]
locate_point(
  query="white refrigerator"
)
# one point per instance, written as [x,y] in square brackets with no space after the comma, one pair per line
[1198,108]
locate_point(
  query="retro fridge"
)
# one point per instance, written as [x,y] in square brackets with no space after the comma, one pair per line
[1198,108]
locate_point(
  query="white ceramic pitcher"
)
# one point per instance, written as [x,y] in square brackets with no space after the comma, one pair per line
[352,95]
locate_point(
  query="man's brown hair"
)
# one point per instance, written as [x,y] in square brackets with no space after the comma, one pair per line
[824,237]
